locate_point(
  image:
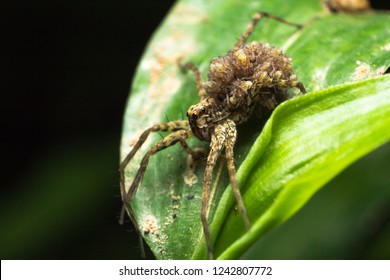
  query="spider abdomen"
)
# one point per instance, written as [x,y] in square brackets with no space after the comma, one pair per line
[248,74]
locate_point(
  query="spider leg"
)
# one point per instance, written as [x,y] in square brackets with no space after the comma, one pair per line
[216,146]
[255,20]
[195,156]
[198,78]
[181,131]
[301,87]
[231,134]
[224,136]
[168,141]
[216,182]
[166,126]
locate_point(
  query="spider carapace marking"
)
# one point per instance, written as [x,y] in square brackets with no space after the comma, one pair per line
[251,79]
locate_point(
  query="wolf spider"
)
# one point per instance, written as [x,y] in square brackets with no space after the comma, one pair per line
[251,78]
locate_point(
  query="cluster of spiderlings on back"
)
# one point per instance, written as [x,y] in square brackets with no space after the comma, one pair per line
[249,70]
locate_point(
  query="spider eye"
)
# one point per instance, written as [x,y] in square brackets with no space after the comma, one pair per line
[194,116]
[203,109]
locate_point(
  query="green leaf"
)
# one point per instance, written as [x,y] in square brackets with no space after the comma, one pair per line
[306,142]
[346,220]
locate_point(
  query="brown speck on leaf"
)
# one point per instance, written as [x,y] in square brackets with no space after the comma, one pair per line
[149,225]
[347,5]
[190,177]
[175,198]
[142,113]
[191,14]
[132,142]
[363,71]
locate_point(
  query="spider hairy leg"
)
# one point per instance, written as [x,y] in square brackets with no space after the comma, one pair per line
[196,154]
[161,127]
[198,78]
[231,133]
[181,131]
[255,20]
[195,157]
[216,146]
[223,136]
[216,182]
[301,87]
[168,141]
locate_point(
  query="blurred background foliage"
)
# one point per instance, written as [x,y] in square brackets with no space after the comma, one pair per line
[67,68]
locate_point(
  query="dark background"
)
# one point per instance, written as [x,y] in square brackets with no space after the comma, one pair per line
[66,69]
[66,72]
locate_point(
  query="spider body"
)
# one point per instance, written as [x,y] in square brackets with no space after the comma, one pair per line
[251,79]
[254,77]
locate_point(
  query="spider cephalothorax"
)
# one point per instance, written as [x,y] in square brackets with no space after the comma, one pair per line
[251,78]
[204,115]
